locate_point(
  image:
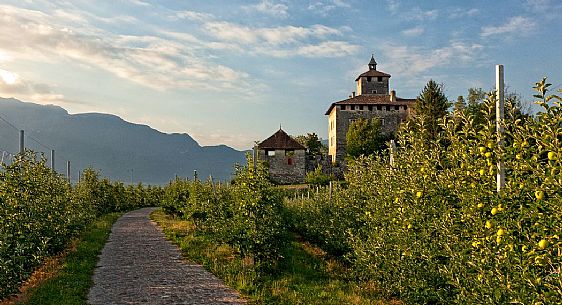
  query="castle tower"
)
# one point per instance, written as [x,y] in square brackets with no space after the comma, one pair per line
[373,100]
[372,81]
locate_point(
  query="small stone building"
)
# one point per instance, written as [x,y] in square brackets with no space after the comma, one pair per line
[285,157]
[373,100]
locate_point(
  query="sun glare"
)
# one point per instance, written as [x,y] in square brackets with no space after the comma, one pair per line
[8,77]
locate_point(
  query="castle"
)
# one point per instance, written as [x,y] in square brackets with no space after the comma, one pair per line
[287,159]
[373,100]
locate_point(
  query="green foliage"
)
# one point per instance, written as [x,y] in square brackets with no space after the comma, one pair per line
[460,105]
[317,177]
[433,229]
[40,212]
[364,138]
[475,107]
[312,143]
[71,284]
[430,107]
[245,214]
[306,275]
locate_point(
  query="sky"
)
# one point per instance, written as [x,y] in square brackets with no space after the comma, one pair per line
[231,72]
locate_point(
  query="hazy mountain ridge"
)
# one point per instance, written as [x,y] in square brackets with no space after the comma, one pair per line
[112,145]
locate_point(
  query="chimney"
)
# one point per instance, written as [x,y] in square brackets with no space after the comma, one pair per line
[353,93]
[393,96]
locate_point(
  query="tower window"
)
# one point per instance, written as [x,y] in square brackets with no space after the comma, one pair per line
[368,79]
[379,79]
[361,107]
[396,107]
[270,153]
[379,107]
[370,108]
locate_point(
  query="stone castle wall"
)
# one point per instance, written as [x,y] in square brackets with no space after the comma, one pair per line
[366,86]
[280,171]
[390,119]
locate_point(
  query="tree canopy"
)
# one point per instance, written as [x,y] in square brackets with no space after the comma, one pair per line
[364,137]
[311,142]
[431,105]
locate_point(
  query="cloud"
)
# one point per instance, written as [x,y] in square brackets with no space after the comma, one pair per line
[412,61]
[325,7]
[515,25]
[147,60]
[539,5]
[13,85]
[192,15]
[284,35]
[267,7]
[420,15]
[284,41]
[139,2]
[393,6]
[415,31]
[415,13]
[463,12]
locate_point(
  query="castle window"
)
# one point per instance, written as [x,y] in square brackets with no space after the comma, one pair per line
[368,79]
[396,107]
[370,108]
[361,107]
[379,79]
[270,153]
[379,107]
[290,161]
[386,108]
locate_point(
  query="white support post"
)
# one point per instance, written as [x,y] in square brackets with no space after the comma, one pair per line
[392,152]
[500,85]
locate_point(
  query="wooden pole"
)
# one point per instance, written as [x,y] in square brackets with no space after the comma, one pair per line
[255,157]
[22,142]
[68,171]
[500,181]
[53,159]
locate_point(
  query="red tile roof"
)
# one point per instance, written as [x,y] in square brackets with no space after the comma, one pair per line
[280,140]
[372,99]
[372,73]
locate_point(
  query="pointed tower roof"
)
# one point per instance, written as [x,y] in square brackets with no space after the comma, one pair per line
[280,140]
[372,70]
[372,63]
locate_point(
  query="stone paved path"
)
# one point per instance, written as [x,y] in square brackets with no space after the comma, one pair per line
[139,266]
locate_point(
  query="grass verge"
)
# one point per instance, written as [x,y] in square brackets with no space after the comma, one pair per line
[306,275]
[66,279]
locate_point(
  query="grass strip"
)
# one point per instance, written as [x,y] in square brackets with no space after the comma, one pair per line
[305,276]
[70,280]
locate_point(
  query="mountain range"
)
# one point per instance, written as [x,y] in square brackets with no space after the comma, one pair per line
[118,149]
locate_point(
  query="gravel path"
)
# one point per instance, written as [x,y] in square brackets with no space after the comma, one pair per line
[139,266]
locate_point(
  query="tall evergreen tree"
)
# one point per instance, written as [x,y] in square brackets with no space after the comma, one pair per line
[431,105]
[459,105]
